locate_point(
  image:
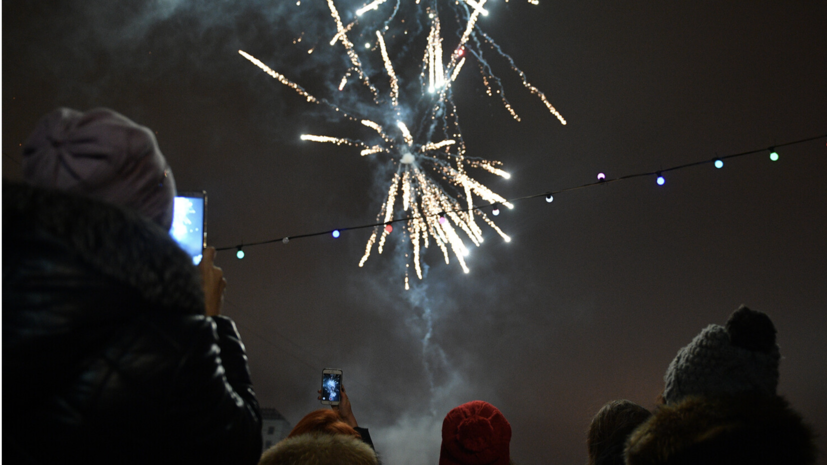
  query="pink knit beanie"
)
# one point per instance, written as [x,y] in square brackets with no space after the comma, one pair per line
[103,155]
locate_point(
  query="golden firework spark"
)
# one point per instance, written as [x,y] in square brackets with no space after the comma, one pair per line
[431,190]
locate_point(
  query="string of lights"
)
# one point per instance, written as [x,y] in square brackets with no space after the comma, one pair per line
[717,162]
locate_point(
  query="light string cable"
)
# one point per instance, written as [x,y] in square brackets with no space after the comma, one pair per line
[548,194]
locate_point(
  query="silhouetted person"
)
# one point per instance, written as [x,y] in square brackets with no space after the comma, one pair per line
[324,437]
[610,429]
[110,352]
[475,433]
[721,405]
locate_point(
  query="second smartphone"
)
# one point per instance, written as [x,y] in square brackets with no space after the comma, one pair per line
[331,386]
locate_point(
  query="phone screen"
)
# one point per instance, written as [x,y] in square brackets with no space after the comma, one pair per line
[189,223]
[331,387]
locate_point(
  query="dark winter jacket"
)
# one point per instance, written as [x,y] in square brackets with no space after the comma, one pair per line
[365,434]
[731,430]
[107,356]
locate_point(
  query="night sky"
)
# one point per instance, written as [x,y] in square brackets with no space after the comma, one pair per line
[596,292]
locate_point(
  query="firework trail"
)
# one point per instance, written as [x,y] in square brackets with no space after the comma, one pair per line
[419,134]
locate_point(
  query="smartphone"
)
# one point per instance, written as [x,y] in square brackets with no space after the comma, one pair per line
[189,223]
[331,386]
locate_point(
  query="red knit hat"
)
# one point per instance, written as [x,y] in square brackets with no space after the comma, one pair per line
[475,433]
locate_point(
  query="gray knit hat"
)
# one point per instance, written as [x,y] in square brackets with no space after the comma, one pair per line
[103,155]
[741,357]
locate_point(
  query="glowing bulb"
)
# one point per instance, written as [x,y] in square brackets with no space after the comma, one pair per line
[661,181]
[388,228]
[549,198]
[239,254]
[441,220]
[367,45]
[336,233]
[774,155]
[719,163]
[496,210]
[601,177]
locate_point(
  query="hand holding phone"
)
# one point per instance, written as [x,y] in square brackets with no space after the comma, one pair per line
[343,408]
[345,411]
[331,386]
[213,283]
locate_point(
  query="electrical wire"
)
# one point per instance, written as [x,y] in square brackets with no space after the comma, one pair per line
[286,239]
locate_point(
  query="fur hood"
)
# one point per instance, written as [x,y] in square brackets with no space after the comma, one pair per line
[741,429]
[115,241]
[319,449]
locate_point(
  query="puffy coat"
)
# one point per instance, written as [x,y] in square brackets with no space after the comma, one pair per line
[749,429]
[107,356]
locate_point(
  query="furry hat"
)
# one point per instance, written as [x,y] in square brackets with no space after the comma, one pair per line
[475,433]
[103,155]
[741,357]
[319,449]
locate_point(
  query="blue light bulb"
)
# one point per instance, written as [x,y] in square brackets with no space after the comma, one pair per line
[719,164]
[239,254]
[661,181]
[336,233]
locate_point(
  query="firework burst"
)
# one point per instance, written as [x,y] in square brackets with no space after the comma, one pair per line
[430,186]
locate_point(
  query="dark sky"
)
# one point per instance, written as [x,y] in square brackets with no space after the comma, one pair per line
[595,293]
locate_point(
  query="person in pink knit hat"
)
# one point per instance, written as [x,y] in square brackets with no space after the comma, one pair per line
[114,346]
[475,433]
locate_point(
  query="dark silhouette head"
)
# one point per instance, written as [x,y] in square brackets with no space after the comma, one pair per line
[611,428]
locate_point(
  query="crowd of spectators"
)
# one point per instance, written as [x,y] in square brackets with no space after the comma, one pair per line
[117,347]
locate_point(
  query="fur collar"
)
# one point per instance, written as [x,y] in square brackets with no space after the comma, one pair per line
[745,428]
[320,449]
[113,240]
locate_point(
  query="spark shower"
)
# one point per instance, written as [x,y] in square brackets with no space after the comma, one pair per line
[416,127]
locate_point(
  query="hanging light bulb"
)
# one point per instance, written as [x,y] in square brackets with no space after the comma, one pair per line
[388,228]
[601,176]
[661,180]
[549,198]
[773,154]
[239,254]
[496,210]
[719,163]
